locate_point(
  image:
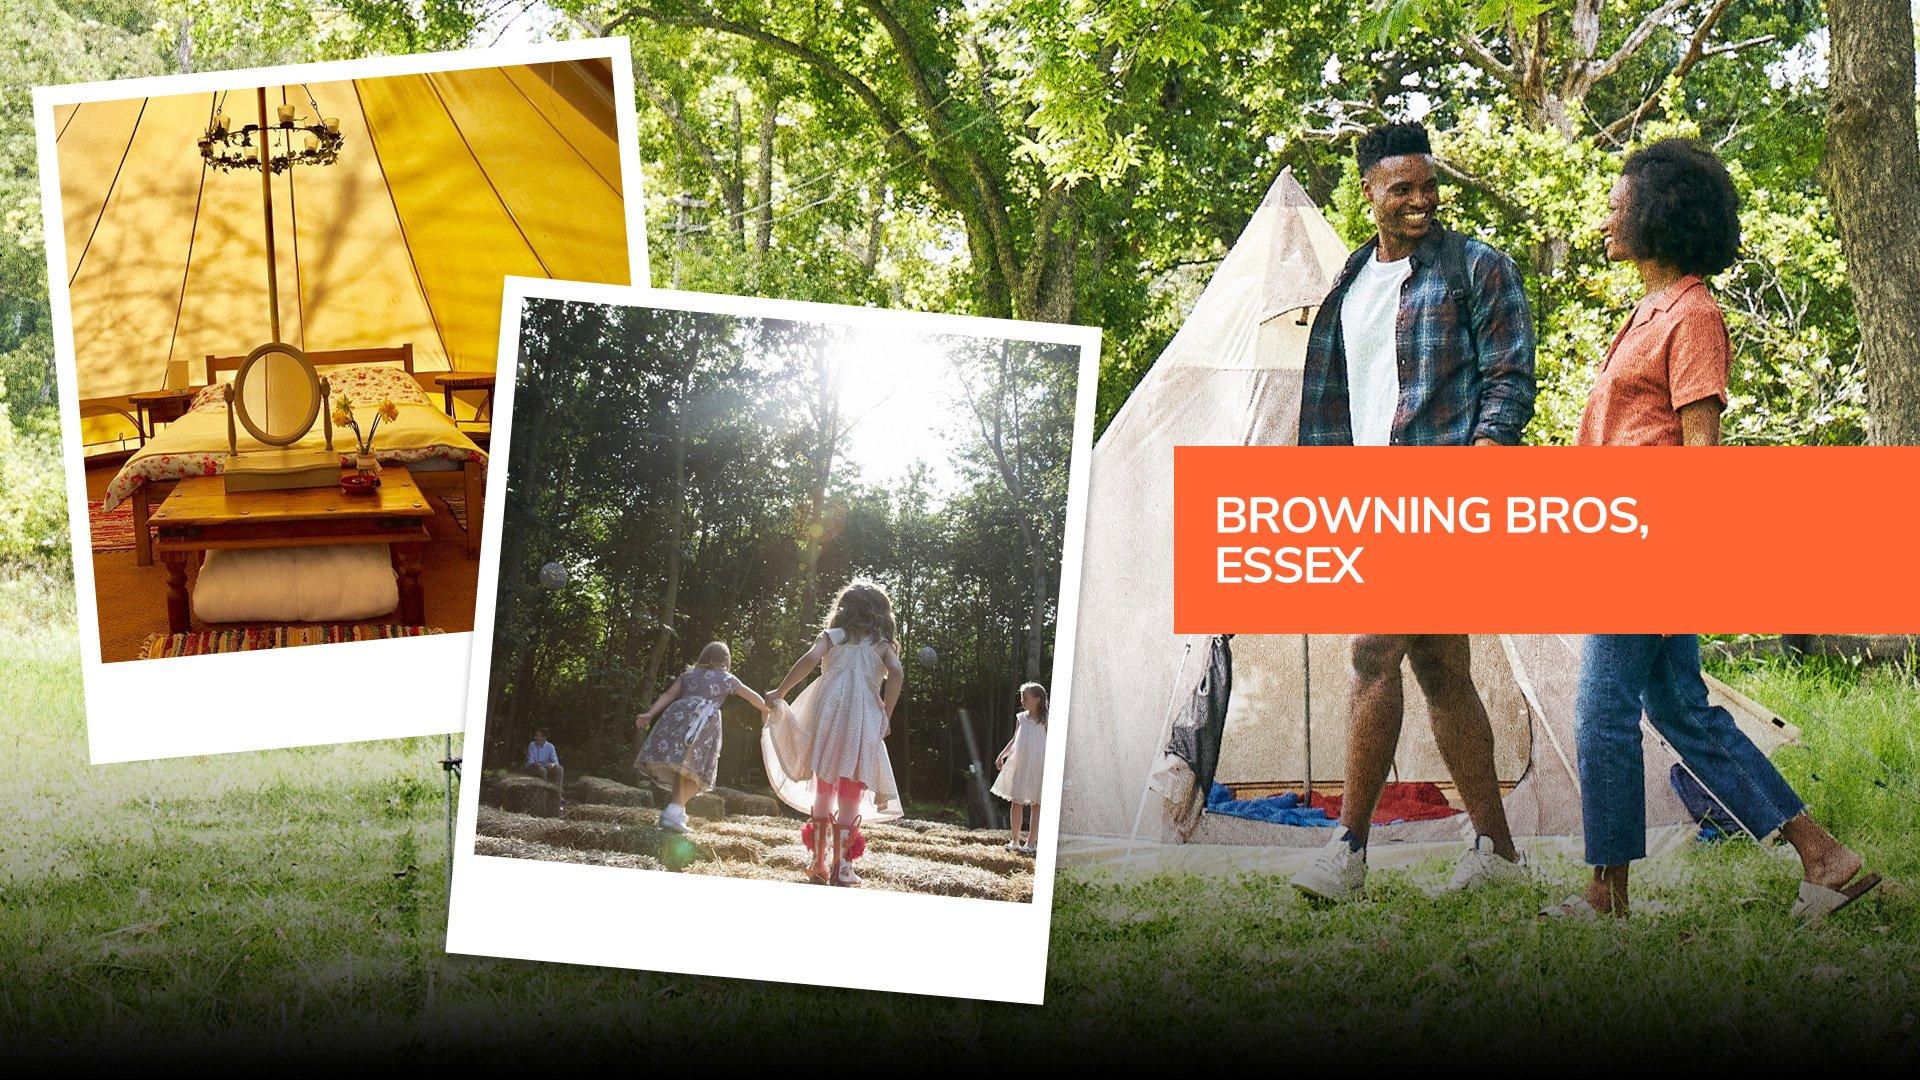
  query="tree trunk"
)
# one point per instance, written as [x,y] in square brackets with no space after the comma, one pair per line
[763,185]
[676,536]
[1872,160]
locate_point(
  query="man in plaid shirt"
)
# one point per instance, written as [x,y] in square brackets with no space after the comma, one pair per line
[1425,340]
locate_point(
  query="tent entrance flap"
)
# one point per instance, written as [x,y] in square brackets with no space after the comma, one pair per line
[1288,715]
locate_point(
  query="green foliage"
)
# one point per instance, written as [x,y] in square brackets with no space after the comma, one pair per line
[33,505]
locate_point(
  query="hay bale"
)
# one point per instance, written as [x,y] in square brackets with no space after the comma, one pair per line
[742,804]
[732,849]
[594,789]
[995,859]
[707,805]
[575,835]
[521,794]
[636,817]
[510,848]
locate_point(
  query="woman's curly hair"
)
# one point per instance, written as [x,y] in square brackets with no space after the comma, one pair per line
[863,610]
[1682,209]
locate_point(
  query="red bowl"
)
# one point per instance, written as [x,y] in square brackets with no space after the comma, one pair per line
[359,483]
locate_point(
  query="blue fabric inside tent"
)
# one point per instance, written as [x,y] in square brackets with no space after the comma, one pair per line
[1284,809]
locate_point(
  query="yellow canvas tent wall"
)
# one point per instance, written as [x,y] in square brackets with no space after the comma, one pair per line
[445,184]
[1231,376]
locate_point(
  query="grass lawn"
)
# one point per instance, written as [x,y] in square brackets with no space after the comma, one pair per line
[294,900]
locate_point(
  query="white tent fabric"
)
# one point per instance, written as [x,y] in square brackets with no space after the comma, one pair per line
[1231,376]
[445,183]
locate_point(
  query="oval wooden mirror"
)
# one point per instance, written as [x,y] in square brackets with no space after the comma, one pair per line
[276,394]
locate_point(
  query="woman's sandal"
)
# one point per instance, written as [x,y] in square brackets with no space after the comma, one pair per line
[821,828]
[1816,902]
[842,863]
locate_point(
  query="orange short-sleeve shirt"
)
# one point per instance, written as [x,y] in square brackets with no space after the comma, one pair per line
[1672,353]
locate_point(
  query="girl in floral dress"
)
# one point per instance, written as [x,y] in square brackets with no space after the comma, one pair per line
[826,755]
[682,751]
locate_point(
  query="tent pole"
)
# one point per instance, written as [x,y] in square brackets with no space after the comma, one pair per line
[1306,714]
[1166,728]
[266,205]
[1647,726]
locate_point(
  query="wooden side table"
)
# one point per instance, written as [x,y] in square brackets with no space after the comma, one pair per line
[201,515]
[452,382]
[154,407]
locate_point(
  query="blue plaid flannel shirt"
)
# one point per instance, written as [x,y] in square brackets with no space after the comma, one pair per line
[1458,381]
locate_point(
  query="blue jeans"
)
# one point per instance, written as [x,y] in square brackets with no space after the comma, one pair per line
[1622,674]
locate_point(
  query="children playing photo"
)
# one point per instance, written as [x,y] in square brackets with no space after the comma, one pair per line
[771,584]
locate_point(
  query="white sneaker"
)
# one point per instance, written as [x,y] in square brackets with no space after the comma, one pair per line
[674,818]
[1337,873]
[1480,866]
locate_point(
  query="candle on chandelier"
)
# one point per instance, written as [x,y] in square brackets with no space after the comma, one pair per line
[286,114]
[333,124]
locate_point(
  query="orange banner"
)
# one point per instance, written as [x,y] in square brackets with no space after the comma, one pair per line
[1274,539]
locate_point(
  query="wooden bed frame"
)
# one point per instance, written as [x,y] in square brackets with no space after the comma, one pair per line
[469,481]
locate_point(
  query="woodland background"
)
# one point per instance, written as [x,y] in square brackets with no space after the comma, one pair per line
[688,472]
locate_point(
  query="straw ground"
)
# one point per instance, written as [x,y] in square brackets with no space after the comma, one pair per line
[613,829]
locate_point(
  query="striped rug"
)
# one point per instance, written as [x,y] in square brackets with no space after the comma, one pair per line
[202,642]
[113,529]
[457,507]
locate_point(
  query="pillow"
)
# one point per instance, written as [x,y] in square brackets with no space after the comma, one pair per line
[337,583]
[365,384]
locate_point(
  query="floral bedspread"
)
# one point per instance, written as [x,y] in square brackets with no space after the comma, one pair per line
[196,444]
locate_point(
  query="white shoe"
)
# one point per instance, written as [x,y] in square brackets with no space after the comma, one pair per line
[1480,867]
[674,818]
[1337,873]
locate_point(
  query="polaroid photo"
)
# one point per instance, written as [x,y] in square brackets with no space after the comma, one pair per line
[786,603]
[276,305]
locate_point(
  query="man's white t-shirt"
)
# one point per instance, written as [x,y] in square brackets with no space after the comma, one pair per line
[1369,321]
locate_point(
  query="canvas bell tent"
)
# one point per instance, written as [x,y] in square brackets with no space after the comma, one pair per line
[1155,713]
[443,184]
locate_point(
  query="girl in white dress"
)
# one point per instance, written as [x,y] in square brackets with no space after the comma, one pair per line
[1021,763]
[826,755]
[683,750]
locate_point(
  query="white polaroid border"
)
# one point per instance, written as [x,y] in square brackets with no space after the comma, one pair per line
[943,945]
[181,706]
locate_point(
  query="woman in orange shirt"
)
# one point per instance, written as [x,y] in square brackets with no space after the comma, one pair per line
[1674,214]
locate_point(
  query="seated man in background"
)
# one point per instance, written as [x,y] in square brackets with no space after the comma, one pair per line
[543,760]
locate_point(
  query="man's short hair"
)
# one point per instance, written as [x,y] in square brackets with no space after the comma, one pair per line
[539,731]
[1390,140]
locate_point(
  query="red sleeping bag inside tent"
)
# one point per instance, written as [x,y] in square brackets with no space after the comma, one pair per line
[1399,802]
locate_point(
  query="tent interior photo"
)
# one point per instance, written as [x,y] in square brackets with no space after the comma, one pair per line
[285,308]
